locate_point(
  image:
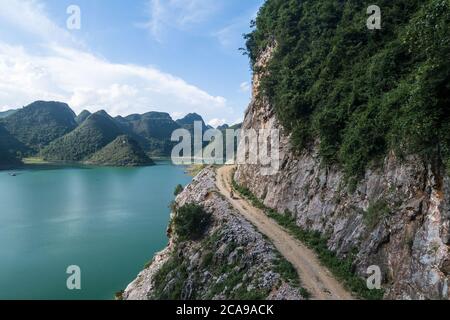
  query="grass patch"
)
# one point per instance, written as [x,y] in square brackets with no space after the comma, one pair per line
[34,160]
[287,271]
[342,268]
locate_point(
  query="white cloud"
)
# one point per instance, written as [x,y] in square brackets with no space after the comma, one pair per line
[29,16]
[179,14]
[245,87]
[238,121]
[66,71]
[216,122]
[84,80]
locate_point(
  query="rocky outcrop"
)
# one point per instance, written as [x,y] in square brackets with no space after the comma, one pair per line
[398,217]
[231,261]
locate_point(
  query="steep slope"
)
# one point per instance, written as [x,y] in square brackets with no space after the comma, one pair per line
[123,152]
[92,135]
[228,260]
[39,123]
[375,202]
[151,130]
[82,117]
[316,278]
[360,92]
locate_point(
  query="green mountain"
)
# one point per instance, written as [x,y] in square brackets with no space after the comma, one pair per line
[188,122]
[10,149]
[360,92]
[97,131]
[53,131]
[151,130]
[39,123]
[7,113]
[82,117]
[123,151]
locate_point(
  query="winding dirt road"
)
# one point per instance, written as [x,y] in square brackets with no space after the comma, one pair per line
[314,277]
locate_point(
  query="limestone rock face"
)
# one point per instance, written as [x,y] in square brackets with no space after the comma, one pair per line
[231,261]
[398,217]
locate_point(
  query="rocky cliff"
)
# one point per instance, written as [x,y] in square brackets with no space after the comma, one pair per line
[398,217]
[231,260]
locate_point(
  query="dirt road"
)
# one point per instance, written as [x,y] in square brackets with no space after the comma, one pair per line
[314,277]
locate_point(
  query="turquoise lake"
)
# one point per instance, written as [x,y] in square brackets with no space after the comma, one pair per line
[108,221]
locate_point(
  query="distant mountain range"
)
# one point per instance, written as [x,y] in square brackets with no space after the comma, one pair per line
[51,130]
[4,114]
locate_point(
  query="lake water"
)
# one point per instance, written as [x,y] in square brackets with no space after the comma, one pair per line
[107,221]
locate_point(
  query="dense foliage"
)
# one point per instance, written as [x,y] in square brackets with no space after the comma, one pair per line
[361,92]
[122,152]
[11,149]
[82,117]
[7,113]
[40,123]
[53,131]
[91,136]
[153,131]
[190,222]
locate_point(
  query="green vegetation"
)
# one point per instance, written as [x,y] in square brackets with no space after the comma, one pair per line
[82,116]
[361,92]
[91,136]
[11,149]
[287,271]
[34,161]
[190,222]
[178,189]
[122,152]
[305,293]
[175,268]
[342,268]
[119,295]
[40,123]
[377,211]
[7,113]
[188,122]
[51,130]
[152,130]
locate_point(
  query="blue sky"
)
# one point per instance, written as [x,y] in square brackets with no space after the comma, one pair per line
[177,56]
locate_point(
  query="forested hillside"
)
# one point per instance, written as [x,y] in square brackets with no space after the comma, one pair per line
[39,123]
[122,152]
[361,92]
[10,149]
[92,135]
